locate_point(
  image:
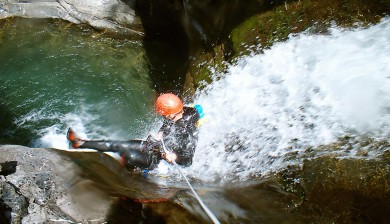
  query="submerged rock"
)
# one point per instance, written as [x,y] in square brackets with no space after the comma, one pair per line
[347,190]
[334,189]
[326,189]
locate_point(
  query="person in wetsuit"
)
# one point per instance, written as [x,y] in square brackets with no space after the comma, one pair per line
[179,133]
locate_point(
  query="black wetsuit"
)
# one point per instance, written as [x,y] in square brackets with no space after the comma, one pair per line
[181,137]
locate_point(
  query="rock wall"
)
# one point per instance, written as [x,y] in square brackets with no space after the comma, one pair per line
[184,38]
[273,21]
[39,186]
[114,15]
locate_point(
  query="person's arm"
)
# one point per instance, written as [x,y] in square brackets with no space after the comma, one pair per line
[164,130]
[187,150]
[184,160]
[189,140]
[170,157]
[154,139]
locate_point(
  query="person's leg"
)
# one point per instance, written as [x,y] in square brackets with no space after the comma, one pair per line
[135,158]
[134,153]
[104,145]
[137,153]
[114,146]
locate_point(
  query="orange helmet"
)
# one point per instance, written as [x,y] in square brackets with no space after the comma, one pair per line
[168,104]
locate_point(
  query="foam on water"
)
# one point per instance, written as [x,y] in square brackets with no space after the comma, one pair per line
[304,92]
[87,125]
[54,136]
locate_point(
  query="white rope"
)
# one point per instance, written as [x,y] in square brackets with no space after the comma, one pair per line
[205,208]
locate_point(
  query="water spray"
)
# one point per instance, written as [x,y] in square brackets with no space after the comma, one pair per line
[205,208]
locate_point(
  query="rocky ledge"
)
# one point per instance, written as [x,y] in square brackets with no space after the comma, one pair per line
[114,15]
[39,186]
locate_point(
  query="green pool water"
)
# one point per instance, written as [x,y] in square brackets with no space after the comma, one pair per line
[54,74]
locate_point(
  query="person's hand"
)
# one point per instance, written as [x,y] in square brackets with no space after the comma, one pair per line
[170,156]
[158,136]
[155,137]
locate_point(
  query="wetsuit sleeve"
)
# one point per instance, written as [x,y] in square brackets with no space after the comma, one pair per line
[188,137]
[166,127]
[185,159]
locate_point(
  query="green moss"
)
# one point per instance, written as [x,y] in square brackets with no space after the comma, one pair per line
[199,69]
[277,24]
[271,25]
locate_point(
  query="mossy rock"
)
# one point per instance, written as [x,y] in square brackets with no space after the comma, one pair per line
[341,186]
[276,21]
[297,16]
[346,190]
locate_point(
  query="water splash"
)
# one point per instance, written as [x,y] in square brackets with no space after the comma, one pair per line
[301,93]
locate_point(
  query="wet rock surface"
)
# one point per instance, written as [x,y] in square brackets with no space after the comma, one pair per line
[331,189]
[39,186]
[47,186]
[347,190]
[118,16]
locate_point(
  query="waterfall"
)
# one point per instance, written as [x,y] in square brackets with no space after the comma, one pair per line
[305,92]
[264,112]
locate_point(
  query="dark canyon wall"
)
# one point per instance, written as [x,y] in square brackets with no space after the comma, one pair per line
[183,37]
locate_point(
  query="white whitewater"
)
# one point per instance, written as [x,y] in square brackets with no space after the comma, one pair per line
[304,92]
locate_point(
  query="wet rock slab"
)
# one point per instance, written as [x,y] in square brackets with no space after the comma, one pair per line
[39,186]
[105,14]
